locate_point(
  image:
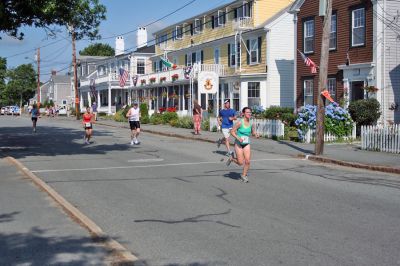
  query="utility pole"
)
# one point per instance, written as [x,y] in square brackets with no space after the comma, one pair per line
[38,76]
[77,109]
[323,74]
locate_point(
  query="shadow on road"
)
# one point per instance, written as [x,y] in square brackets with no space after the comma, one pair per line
[20,142]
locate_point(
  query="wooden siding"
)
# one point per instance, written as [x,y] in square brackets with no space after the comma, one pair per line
[337,57]
[264,9]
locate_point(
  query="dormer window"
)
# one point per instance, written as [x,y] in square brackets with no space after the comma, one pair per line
[198,26]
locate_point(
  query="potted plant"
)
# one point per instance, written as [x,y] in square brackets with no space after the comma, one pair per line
[371,90]
[163,79]
[143,82]
[174,77]
[152,80]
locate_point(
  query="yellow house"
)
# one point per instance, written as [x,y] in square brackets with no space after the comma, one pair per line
[229,40]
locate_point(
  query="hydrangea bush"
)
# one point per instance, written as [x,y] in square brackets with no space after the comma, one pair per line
[337,120]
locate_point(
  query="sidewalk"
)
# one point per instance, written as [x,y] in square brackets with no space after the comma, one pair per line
[36,232]
[343,154]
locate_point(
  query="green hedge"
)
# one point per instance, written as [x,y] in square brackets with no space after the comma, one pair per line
[365,112]
[285,114]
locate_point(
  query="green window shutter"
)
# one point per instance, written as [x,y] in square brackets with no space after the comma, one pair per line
[259,49]
[248,54]
[229,54]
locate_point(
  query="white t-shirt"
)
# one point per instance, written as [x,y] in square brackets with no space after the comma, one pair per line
[134,114]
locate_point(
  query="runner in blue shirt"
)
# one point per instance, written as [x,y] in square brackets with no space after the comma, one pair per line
[225,120]
[34,116]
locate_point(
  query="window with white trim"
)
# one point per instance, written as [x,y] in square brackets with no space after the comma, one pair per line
[253,51]
[198,26]
[308,91]
[221,15]
[253,93]
[333,33]
[309,36]
[216,55]
[189,59]
[358,27]
[140,66]
[332,87]
[178,32]
[232,54]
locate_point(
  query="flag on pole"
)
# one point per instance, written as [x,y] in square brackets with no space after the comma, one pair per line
[308,62]
[327,95]
[187,71]
[123,76]
[167,63]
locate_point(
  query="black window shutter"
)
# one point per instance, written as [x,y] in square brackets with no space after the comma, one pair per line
[154,66]
[202,56]
[259,49]
[229,54]
[212,22]
[238,54]
[235,13]
[186,60]
[160,64]
[193,58]
[191,29]
[248,54]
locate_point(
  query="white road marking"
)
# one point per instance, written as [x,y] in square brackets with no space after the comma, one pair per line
[154,165]
[146,160]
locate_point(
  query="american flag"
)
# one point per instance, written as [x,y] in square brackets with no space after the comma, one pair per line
[308,62]
[123,77]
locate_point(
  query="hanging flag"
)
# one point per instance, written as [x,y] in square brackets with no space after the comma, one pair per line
[134,80]
[123,76]
[167,63]
[308,62]
[327,95]
[187,71]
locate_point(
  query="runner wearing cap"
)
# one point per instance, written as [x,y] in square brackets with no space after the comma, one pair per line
[225,120]
[133,116]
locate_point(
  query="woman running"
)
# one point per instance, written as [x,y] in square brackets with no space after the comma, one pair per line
[241,132]
[34,116]
[87,122]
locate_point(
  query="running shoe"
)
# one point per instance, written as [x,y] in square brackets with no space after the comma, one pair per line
[229,161]
[219,141]
[244,178]
[87,142]
[137,142]
[132,142]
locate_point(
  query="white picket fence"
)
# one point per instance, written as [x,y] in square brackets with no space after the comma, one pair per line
[265,128]
[311,136]
[381,138]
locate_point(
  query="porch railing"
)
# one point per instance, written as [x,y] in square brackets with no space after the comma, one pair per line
[243,23]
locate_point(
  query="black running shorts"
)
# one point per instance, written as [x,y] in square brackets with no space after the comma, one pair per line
[134,125]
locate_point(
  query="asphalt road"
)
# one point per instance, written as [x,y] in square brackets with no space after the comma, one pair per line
[175,202]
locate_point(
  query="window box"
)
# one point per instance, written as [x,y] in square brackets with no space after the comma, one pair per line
[143,82]
[174,77]
[163,79]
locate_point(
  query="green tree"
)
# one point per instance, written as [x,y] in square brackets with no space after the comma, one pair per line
[3,73]
[21,84]
[98,49]
[84,15]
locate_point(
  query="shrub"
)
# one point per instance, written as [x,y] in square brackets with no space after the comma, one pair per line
[205,124]
[257,110]
[120,116]
[337,120]
[168,116]
[156,119]
[182,122]
[275,112]
[365,112]
[144,110]
[145,119]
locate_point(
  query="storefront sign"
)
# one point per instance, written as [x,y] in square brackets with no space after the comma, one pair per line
[208,82]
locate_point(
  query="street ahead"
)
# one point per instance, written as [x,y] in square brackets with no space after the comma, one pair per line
[175,202]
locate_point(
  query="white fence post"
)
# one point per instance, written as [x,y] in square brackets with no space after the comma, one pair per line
[381,138]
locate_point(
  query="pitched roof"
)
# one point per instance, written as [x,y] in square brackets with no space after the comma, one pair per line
[146,49]
[296,6]
[61,79]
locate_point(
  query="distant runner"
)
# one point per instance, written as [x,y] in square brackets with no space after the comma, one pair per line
[87,122]
[34,116]
[242,131]
[133,116]
[225,120]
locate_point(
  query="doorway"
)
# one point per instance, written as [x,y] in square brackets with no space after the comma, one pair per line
[357,90]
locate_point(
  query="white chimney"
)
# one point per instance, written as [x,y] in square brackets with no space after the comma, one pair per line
[119,45]
[141,37]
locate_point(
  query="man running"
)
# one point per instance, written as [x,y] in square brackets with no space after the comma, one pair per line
[225,120]
[34,116]
[133,116]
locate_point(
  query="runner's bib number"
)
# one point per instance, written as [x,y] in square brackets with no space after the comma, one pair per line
[245,140]
[88,124]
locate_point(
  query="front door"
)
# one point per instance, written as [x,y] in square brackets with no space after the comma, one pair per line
[357,90]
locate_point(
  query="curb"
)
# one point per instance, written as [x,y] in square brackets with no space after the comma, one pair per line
[377,168]
[124,256]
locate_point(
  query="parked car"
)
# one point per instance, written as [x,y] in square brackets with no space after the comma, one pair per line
[3,111]
[62,110]
[13,110]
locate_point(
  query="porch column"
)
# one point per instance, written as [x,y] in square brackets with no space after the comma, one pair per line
[89,99]
[81,101]
[346,92]
[129,97]
[109,100]
[98,99]
[243,95]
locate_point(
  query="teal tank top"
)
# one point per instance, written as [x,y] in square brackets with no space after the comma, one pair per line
[244,131]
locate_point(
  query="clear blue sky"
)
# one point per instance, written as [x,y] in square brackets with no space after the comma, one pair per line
[122,16]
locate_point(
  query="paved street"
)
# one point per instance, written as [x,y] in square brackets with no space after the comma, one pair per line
[175,202]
